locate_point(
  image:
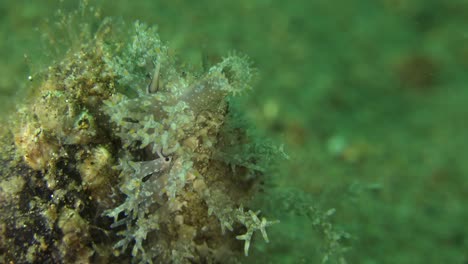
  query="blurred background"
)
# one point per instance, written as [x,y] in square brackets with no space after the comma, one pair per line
[369,98]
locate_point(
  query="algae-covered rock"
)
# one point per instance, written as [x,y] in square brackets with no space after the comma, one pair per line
[104,164]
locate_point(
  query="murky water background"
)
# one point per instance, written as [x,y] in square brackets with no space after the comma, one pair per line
[369,98]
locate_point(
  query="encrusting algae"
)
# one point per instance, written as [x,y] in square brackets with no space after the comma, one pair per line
[122,156]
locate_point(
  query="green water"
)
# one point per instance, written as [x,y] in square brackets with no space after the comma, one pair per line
[369,98]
